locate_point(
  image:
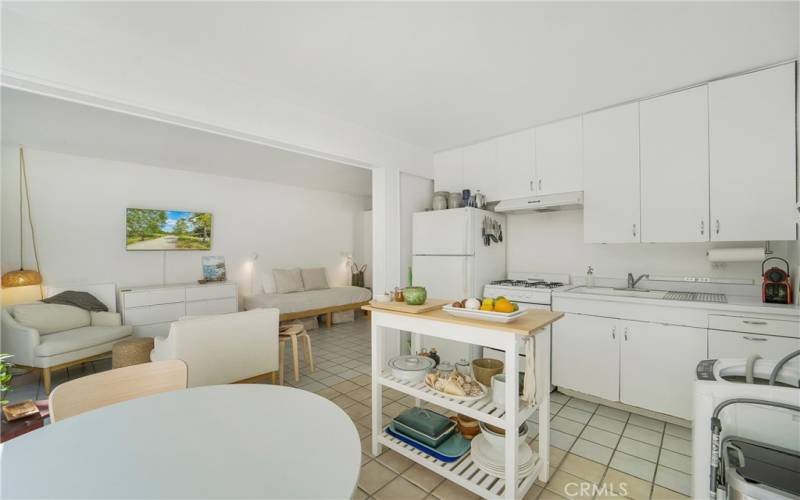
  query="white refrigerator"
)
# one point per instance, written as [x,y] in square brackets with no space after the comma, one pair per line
[455,253]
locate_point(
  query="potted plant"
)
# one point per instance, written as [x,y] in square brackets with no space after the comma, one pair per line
[5,376]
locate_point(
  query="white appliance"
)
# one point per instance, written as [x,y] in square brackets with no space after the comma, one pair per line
[528,292]
[544,203]
[452,260]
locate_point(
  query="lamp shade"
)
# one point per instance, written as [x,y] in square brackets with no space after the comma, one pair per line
[21,278]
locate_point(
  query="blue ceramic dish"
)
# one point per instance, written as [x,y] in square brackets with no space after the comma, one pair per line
[451,450]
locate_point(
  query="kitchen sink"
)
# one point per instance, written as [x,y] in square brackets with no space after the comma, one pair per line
[620,292]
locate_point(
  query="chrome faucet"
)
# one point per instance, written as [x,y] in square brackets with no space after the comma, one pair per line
[633,282]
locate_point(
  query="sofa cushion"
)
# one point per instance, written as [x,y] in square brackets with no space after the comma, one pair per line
[51,318]
[80,338]
[105,318]
[314,279]
[288,280]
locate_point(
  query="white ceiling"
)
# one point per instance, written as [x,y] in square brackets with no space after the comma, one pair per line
[443,74]
[55,125]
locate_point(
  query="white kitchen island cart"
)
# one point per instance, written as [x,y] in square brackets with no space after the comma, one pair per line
[508,337]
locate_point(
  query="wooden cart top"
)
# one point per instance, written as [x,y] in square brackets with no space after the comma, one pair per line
[529,324]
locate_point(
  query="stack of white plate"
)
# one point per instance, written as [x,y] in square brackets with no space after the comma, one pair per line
[491,459]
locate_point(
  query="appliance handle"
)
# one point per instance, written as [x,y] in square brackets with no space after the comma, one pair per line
[774,258]
[751,322]
[755,339]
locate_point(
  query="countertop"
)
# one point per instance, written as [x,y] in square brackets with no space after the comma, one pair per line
[735,304]
[528,324]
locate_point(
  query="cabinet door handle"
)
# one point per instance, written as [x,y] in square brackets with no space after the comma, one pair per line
[634,230]
[716,226]
[531,185]
[626,333]
[755,339]
[751,322]
[702,227]
[614,332]
[540,183]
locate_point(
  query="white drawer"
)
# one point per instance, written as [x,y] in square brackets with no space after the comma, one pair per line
[754,325]
[741,345]
[153,297]
[210,292]
[155,330]
[216,306]
[154,314]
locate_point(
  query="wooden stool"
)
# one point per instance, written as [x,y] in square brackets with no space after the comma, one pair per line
[292,333]
[131,351]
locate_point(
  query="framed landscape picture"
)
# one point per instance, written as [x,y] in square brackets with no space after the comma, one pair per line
[149,229]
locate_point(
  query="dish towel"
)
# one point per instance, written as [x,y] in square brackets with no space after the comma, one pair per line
[529,383]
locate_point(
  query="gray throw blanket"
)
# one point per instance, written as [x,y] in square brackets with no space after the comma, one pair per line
[84,300]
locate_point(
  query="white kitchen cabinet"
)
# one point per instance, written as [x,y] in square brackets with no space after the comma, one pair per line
[657,366]
[674,166]
[480,167]
[515,173]
[559,157]
[740,345]
[611,175]
[586,355]
[448,171]
[752,156]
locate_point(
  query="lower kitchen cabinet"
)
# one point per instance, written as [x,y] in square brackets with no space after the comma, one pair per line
[586,355]
[657,366]
[649,365]
[722,344]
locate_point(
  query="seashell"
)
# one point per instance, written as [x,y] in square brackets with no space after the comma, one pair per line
[454,389]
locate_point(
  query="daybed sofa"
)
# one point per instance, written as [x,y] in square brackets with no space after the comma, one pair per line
[305,294]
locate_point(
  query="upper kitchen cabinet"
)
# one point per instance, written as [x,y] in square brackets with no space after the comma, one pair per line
[448,171]
[515,167]
[752,156]
[611,175]
[559,151]
[480,168]
[674,166]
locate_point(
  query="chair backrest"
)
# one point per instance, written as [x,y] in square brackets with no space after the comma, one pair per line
[114,386]
[104,292]
[225,348]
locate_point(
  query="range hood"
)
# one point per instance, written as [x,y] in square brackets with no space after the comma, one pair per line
[544,203]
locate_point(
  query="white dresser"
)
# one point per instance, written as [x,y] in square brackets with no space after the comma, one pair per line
[151,309]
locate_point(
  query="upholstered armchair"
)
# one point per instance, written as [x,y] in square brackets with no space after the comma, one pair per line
[224,348]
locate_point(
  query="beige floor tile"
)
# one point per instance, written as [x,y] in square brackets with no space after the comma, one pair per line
[374,476]
[423,477]
[549,495]
[346,386]
[400,489]
[363,430]
[556,454]
[551,471]
[344,401]
[532,493]
[449,490]
[366,445]
[360,394]
[395,461]
[365,458]
[583,468]
[362,380]
[359,495]
[618,484]
[328,393]
[357,410]
[660,493]
[395,409]
[569,486]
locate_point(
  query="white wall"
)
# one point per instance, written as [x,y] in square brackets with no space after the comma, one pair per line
[553,242]
[78,207]
[416,195]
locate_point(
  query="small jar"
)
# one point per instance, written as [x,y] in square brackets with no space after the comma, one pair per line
[454,200]
[463,368]
[445,369]
[440,200]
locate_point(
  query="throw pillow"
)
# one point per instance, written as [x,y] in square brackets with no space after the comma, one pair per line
[51,318]
[314,279]
[268,283]
[288,280]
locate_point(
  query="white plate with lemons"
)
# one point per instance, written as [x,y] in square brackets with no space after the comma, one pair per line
[497,317]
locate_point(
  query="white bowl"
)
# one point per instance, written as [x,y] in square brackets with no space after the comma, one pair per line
[499,440]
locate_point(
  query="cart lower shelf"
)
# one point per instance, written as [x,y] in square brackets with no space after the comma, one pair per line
[464,471]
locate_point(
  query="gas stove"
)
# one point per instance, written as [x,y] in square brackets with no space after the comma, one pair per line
[528,283]
[527,290]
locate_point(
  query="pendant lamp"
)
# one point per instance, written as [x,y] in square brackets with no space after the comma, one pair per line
[23,277]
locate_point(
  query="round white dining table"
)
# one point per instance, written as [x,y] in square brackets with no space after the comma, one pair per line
[225,441]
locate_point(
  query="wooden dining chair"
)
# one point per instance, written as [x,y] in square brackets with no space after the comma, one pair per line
[114,386]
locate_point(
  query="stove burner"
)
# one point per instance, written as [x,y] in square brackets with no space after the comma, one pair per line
[530,283]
